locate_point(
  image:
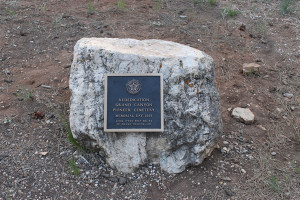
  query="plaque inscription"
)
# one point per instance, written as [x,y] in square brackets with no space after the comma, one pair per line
[133,103]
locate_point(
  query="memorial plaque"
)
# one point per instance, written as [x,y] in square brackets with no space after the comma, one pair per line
[133,103]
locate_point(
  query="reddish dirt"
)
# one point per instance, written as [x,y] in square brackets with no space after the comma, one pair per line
[37,40]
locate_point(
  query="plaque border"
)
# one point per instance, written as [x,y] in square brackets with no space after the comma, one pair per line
[135,130]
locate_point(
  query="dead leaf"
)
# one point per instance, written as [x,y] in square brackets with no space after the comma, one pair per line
[38,115]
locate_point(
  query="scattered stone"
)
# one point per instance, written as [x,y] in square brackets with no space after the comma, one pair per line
[43,153]
[8,81]
[122,180]
[229,192]
[7,72]
[243,114]
[172,149]
[273,153]
[105,175]
[261,127]
[113,179]
[226,178]
[158,23]
[249,68]
[225,142]
[266,76]
[46,86]
[244,106]
[225,150]
[288,95]
[284,81]
[1,88]
[292,108]
[243,171]
[182,16]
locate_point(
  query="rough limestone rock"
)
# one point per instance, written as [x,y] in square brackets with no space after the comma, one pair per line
[249,68]
[191,102]
[243,114]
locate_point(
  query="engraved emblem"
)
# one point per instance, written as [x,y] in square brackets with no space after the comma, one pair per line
[133,86]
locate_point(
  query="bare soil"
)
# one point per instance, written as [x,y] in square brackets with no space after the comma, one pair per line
[258,161]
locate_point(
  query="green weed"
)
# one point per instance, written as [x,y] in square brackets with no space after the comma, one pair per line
[43,8]
[157,5]
[13,2]
[228,12]
[91,8]
[298,139]
[25,93]
[286,6]
[121,5]
[297,170]
[57,21]
[73,167]
[196,2]
[273,184]
[10,12]
[261,28]
[213,2]
[67,128]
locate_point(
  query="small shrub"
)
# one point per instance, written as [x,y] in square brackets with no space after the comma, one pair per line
[157,5]
[91,8]
[11,12]
[261,27]
[57,21]
[286,6]
[25,94]
[228,12]
[67,128]
[212,2]
[273,184]
[297,170]
[121,5]
[43,8]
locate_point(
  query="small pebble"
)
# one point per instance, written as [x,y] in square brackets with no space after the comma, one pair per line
[288,95]
[292,107]
[7,72]
[273,153]
[266,76]
[243,171]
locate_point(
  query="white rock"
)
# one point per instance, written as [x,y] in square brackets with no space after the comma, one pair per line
[192,113]
[249,68]
[288,95]
[243,114]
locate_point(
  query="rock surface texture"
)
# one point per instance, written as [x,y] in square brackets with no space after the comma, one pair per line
[191,102]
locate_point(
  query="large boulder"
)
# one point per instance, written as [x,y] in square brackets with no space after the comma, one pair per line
[191,102]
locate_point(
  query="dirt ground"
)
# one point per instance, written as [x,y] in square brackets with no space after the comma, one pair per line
[258,161]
